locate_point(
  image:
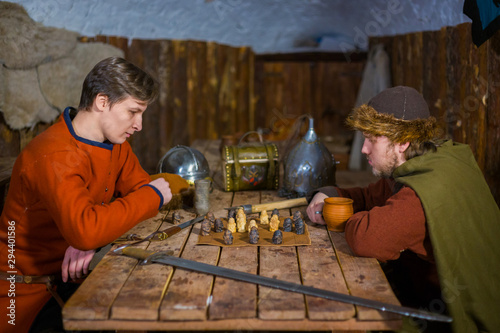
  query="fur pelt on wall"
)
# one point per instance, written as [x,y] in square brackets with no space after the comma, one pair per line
[25,43]
[61,80]
[24,104]
[42,69]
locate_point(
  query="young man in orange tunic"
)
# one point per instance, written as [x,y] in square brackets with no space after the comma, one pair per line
[59,207]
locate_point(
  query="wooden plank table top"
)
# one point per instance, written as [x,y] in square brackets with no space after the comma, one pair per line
[120,294]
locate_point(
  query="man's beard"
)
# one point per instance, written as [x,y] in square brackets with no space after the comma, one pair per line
[389,165]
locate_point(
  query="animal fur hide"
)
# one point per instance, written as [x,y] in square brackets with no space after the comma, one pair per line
[61,80]
[24,104]
[365,119]
[43,68]
[25,43]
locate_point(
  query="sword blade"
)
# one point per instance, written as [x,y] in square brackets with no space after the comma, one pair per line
[163,258]
[159,235]
[190,222]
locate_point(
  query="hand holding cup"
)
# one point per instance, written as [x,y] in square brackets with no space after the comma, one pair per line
[336,212]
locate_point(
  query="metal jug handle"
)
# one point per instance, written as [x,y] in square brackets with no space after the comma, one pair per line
[250,132]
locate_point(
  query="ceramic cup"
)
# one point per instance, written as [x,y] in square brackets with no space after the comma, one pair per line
[336,212]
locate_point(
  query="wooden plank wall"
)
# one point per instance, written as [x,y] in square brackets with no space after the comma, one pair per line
[461,84]
[326,90]
[206,91]
[209,90]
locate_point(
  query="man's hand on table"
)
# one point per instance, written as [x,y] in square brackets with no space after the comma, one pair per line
[315,206]
[164,187]
[76,263]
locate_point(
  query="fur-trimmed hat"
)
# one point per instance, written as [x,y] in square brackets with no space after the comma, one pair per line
[399,113]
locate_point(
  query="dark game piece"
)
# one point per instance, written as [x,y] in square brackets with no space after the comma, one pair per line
[299,226]
[277,237]
[297,215]
[206,226]
[218,225]
[275,212]
[287,224]
[231,213]
[176,218]
[210,216]
[254,235]
[228,237]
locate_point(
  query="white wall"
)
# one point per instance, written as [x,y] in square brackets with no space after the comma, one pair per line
[268,26]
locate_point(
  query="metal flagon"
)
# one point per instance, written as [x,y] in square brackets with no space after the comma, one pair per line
[186,162]
[308,166]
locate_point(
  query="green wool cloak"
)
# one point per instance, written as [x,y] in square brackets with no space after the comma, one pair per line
[464,225]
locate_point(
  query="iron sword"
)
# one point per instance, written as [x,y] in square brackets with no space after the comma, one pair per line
[162,234]
[164,258]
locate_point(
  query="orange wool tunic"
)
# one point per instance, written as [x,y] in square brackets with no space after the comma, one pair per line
[61,194]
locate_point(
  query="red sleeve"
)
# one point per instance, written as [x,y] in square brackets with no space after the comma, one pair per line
[384,231]
[368,197]
[84,223]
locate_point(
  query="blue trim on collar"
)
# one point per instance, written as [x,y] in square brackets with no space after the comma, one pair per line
[67,120]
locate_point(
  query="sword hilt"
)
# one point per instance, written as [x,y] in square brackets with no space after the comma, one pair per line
[137,253]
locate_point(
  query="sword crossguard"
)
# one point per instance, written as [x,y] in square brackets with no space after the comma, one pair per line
[160,236]
[155,255]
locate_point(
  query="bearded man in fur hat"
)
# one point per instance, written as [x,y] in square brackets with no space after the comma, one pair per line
[431,219]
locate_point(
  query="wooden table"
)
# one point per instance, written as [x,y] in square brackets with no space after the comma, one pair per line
[119,294]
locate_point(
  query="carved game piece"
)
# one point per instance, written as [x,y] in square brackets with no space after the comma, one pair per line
[210,216]
[264,218]
[277,237]
[240,212]
[176,218]
[254,235]
[206,226]
[287,224]
[274,224]
[231,214]
[241,223]
[228,237]
[218,225]
[251,224]
[275,212]
[297,215]
[299,226]
[231,224]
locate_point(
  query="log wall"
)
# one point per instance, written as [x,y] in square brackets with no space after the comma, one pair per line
[206,91]
[461,84]
[209,90]
[326,90]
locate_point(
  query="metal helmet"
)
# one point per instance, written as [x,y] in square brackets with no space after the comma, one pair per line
[308,166]
[186,162]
